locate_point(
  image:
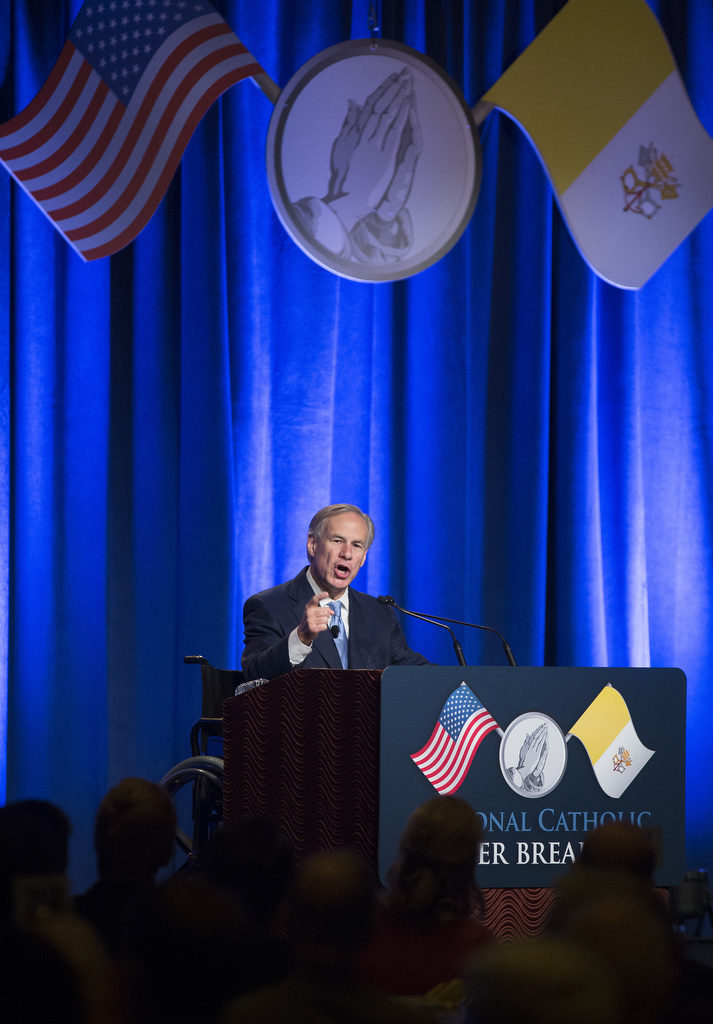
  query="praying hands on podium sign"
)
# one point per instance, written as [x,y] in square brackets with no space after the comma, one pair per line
[363,214]
[528,774]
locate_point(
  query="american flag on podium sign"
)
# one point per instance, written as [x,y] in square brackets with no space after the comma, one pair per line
[462,726]
[97,147]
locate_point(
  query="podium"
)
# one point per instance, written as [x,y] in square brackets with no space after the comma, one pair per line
[304,750]
[328,755]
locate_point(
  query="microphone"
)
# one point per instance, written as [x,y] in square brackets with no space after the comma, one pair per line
[506,646]
[457,622]
[434,622]
[334,630]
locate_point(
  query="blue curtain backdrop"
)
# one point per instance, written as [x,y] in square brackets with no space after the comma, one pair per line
[534,445]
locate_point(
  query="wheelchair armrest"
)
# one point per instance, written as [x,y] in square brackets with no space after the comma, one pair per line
[201,730]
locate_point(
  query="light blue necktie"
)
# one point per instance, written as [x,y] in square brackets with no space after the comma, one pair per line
[341,641]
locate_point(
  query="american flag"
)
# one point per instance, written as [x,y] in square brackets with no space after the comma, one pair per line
[97,147]
[461,727]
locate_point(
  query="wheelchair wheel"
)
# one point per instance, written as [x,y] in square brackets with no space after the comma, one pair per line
[200,781]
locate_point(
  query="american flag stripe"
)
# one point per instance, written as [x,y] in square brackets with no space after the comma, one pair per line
[432,751]
[143,151]
[453,771]
[45,102]
[31,145]
[122,232]
[444,762]
[99,169]
[149,182]
[49,174]
[87,155]
[139,122]
[153,158]
[473,732]
[148,104]
[86,111]
[65,114]
[425,755]
[440,753]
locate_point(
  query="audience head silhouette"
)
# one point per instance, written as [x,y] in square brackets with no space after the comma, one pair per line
[34,838]
[620,846]
[434,873]
[543,981]
[331,909]
[255,860]
[134,830]
[607,906]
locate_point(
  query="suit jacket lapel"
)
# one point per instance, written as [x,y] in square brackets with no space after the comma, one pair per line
[299,592]
[325,646]
[358,630]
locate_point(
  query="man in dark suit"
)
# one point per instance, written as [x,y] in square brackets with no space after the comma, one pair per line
[290,626]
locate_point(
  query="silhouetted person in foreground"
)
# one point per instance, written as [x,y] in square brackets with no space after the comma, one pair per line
[426,923]
[27,960]
[255,861]
[194,955]
[545,980]
[607,905]
[34,839]
[133,838]
[54,968]
[329,922]
[620,846]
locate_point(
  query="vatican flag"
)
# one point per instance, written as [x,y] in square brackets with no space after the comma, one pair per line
[600,97]
[609,737]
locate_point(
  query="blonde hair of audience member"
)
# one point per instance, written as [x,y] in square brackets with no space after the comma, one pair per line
[433,877]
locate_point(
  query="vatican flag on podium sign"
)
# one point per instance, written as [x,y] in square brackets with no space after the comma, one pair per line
[600,97]
[609,737]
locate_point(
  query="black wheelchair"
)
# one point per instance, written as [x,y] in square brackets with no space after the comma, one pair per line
[201,775]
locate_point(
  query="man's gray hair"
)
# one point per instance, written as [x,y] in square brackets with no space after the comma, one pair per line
[319,521]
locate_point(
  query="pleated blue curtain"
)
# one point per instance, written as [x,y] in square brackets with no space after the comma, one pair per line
[533,444]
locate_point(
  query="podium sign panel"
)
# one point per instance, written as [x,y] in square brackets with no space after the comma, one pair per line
[544,755]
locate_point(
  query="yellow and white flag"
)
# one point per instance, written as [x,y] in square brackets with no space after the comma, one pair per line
[600,97]
[609,737]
